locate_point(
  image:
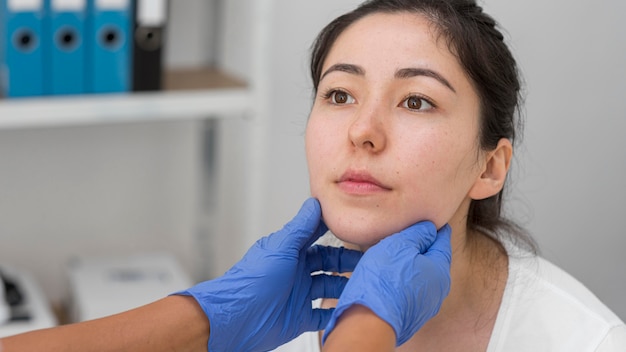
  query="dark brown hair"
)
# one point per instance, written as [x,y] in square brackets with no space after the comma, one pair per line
[473,37]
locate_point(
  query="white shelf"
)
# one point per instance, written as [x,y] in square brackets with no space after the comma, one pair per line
[115,108]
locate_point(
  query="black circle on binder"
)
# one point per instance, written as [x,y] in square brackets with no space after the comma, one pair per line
[67,38]
[148,38]
[111,38]
[25,40]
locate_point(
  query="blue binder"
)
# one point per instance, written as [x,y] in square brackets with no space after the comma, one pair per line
[109,46]
[21,52]
[65,47]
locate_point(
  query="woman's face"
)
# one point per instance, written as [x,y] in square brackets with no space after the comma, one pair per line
[392,138]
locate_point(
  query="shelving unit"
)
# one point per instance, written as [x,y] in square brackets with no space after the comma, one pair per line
[187,93]
[232,151]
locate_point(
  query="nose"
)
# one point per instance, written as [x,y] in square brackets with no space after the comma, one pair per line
[367,130]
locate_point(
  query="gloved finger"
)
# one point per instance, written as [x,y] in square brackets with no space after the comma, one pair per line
[420,235]
[319,319]
[335,259]
[327,286]
[304,229]
[441,248]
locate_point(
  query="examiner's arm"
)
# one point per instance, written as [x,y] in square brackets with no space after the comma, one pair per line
[172,323]
[262,302]
[359,329]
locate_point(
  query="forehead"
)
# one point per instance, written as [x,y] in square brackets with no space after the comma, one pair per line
[394,40]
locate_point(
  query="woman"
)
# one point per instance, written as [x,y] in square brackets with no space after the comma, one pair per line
[409,143]
[415,119]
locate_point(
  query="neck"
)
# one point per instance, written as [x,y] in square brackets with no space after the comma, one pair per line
[479,268]
[467,316]
[479,271]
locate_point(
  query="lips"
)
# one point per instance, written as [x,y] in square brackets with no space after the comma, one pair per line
[360,183]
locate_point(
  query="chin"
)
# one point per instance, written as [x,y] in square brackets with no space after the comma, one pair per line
[360,226]
[360,236]
[363,224]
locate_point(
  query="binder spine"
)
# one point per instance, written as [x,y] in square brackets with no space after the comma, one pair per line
[66,47]
[110,47]
[22,52]
[148,44]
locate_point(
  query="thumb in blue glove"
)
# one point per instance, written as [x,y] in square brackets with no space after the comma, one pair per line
[265,300]
[403,279]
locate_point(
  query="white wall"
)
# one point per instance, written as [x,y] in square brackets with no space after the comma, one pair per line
[191,33]
[570,179]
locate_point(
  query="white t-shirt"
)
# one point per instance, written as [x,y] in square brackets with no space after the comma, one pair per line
[543,309]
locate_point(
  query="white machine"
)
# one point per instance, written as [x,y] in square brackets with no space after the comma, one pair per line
[102,286]
[23,306]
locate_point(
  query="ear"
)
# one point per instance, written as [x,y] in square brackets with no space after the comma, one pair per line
[495,169]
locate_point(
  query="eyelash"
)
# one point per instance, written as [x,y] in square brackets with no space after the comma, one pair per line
[421,98]
[331,93]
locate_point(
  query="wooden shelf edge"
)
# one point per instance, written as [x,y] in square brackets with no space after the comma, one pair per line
[186,79]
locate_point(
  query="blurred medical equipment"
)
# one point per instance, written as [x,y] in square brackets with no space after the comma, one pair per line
[23,306]
[102,286]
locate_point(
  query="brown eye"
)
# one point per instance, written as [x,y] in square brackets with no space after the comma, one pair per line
[416,103]
[340,97]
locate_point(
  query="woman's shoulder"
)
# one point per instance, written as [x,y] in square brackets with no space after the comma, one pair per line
[550,282]
[545,304]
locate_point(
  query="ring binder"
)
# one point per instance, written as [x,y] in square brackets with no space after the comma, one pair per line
[21,49]
[110,46]
[65,73]
[149,40]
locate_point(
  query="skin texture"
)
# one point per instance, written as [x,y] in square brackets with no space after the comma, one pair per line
[381,158]
[359,329]
[425,161]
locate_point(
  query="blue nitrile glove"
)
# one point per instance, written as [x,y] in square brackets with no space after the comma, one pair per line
[403,279]
[265,300]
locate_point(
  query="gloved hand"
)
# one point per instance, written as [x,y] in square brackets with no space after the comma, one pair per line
[264,300]
[403,279]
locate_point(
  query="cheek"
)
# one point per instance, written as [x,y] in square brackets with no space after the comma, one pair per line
[435,181]
[316,149]
[428,170]
[310,140]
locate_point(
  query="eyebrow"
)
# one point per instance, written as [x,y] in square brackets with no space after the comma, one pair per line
[347,68]
[401,73]
[413,72]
